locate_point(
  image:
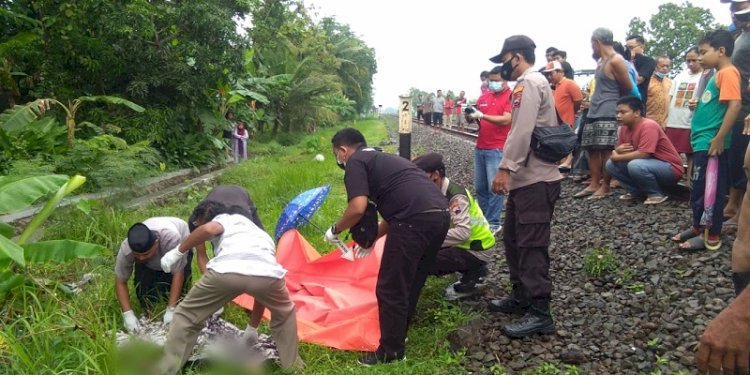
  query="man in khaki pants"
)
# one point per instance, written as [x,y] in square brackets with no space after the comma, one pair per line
[244,262]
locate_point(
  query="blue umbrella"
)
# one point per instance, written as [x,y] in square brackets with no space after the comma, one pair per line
[300,209]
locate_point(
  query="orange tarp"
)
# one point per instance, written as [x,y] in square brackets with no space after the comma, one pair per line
[335,298]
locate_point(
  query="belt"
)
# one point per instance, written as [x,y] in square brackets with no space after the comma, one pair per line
[431,210]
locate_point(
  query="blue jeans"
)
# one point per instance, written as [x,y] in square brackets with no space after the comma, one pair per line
[486,163]
[643,176]
[697,193]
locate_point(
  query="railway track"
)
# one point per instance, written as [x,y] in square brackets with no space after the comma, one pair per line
[470,135]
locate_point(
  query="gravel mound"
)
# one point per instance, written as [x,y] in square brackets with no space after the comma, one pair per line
[643,316]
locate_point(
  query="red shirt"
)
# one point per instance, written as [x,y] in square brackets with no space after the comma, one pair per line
[448,109]
[492,136]
[648,137]
[459,105]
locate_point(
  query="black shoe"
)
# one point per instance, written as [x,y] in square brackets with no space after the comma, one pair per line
[537,320]
[470,279]
[374,358]
[508,305]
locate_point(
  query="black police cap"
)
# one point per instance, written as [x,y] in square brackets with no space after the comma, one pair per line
[514,43]
[140,238]
[430,162]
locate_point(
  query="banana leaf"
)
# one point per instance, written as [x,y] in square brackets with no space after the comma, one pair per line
[60,251]
[9,281]
[17,193]
[9,249]
[6,230]
[112,100]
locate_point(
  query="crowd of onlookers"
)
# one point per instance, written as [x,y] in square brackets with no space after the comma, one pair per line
[641,127]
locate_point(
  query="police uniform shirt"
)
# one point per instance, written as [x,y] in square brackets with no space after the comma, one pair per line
[395,184]
[533,105]
[171,231]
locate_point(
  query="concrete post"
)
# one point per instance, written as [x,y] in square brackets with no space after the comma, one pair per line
[404,127]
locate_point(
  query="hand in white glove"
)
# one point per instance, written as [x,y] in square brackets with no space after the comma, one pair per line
[250,336]
[330,237]
[476,115]
[218,313]
[170,258]
[169,314]
[131,321]
[360,252]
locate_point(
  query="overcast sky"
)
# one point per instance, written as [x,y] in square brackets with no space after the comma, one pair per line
[446,44]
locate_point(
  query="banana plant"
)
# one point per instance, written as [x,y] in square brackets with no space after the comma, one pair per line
[17,193]
[20,116]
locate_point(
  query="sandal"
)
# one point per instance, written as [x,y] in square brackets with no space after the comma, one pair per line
[583,193]
[594,197]
[656,200]
[694,244]
[685,235]
[627,197]
[712,245]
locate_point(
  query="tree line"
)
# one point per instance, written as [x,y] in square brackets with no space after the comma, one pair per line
[178,66]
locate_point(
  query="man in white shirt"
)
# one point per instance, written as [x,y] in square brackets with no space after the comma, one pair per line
[141,252]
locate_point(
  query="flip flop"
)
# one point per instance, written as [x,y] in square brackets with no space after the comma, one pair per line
[583,193]
[685,235]
[712,245]
[694,244]
[594,197]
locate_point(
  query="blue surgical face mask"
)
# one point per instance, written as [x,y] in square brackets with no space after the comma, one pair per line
[496,86]
[660,75]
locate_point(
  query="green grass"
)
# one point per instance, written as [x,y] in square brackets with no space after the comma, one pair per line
[48,332]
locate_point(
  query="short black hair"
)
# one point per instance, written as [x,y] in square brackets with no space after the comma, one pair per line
[528,55]
[638,38]
[693,49]
[208,210]
[621,50]
[561,53]
[718,39]
[496,70]
[484,74]
[634,103]
[349,137]
[551,50]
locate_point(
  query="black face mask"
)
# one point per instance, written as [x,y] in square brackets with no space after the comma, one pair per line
[743,18]
[507,70]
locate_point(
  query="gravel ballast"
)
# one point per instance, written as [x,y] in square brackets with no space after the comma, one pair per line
[644,316]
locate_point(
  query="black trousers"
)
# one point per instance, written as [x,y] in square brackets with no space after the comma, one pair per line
[408,256]
[453,259]
[427,118]
[526,235]
[420,115]
[151,286]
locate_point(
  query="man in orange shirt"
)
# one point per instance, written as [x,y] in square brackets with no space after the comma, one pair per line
[567,97]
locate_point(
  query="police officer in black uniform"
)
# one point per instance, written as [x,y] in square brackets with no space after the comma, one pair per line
[416,219]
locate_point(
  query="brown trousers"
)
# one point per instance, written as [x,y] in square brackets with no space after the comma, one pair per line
[526,235]
[212,292]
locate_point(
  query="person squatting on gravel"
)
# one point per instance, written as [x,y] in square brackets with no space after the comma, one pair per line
[244,262]
[416,219]
[466,248]
[533,187]
[142,251]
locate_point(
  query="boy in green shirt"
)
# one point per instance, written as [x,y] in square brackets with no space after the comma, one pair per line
[716,111]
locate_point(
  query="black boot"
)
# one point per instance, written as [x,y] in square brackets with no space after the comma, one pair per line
[470,279]
[517,303]
[741,281]
[537,320]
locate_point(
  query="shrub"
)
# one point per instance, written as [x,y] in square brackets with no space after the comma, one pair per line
[109,161]
[288,139]
[599,261]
